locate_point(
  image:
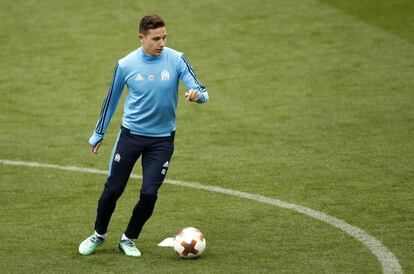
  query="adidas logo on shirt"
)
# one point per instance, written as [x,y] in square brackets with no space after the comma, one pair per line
[139,77]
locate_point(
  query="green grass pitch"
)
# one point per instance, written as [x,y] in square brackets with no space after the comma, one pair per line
[311,102]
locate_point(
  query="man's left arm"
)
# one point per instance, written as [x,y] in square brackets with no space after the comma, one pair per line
[196,91]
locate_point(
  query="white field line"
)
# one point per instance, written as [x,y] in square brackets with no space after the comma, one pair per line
[389,262]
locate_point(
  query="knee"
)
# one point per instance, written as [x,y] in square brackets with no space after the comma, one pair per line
[148,197]
[111,192]
[150,190]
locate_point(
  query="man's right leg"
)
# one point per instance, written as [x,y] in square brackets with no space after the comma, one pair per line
[122,161]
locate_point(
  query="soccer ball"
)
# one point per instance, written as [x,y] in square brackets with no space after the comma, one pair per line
[189,242]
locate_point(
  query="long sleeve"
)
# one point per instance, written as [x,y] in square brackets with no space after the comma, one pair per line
[109,105]
[190,80]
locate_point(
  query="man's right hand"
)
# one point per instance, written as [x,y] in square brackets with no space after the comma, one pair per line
[96,147]
[95,142]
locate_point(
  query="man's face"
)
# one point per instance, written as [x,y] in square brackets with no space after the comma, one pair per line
[153,42]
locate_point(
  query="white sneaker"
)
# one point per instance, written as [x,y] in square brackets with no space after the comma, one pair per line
[89,245]
[129,248]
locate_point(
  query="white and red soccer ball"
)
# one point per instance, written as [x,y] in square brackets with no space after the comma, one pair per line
[189,242]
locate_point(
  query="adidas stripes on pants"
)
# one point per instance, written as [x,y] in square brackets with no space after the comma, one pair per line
[156,154]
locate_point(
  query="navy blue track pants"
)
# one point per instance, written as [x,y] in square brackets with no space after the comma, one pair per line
[156,154]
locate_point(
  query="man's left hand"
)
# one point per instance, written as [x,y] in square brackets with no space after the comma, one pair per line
[192,96]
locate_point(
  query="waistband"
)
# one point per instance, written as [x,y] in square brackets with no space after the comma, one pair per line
[127,130]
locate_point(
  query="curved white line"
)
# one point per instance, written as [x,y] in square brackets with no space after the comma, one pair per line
[387,259]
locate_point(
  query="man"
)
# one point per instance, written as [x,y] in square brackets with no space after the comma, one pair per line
[152,74]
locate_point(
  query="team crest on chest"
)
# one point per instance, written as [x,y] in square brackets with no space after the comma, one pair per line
[165,75]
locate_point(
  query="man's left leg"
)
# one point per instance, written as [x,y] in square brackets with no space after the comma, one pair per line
[155,163]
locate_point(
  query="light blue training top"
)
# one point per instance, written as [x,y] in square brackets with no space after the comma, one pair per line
[151,101]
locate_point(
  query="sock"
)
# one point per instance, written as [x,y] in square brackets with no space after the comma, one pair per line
[99,235]
[124,237]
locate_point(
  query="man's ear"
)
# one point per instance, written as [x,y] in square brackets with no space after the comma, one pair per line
[140,36]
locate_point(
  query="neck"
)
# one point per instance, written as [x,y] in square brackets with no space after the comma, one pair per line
[148,57]
[147,54]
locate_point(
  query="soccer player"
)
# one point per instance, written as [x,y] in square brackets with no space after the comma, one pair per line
[151,73]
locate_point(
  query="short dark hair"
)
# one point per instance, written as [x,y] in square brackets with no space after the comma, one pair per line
[150,22]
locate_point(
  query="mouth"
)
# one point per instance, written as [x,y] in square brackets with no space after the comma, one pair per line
[157,52]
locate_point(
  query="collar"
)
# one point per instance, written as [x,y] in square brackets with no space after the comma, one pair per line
[148,58]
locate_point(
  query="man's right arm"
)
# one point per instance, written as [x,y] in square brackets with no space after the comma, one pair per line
[108,108]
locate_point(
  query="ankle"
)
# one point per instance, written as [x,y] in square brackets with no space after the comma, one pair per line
[124,238]
[100,235]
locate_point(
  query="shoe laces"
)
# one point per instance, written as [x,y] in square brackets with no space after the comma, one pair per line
[129,243]
[95,239]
